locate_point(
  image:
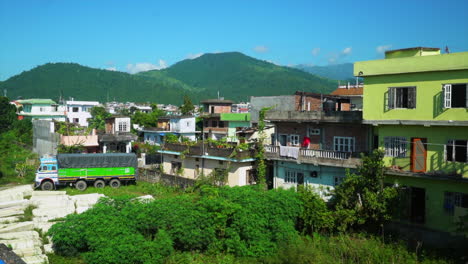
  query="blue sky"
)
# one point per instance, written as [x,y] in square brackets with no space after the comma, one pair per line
[131,36]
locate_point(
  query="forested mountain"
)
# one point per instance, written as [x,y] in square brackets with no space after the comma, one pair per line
[237,76]
[234,75]
[335,72]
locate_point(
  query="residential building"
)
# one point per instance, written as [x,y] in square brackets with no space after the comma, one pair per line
[78,112]
[43,109]
[315,143]
[89,142]
[213,126]
[236,123]
[241,108]
[184,126]
[416,100]
[117,136]
[354,93]
[227,165]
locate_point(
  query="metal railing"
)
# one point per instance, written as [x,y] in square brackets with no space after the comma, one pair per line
[313,153]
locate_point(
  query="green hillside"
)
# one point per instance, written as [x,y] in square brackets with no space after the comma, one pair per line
[84,83]
[237,76]
[234,75]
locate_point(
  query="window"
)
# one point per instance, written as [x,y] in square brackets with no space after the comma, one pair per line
[54,167]
[214,123]
[221,124]
[313,131]
[395,147]
[455,95]
[206,123]
[294,140]
[41,109]
[337,180]
[343,144]
[122,126]
[220,162]
[44,168]
[456,150]
[76,120]
[401,97]
[188,124]
[175,167]
[290,176]
[75,109]
[454,199]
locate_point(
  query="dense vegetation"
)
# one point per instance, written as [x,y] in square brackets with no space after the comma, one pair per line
[235,75]
[16,159]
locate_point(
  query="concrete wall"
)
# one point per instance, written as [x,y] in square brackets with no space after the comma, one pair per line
[183,124]
[237,173]
[322,184]
[436,137]
[45,140]
[280,103]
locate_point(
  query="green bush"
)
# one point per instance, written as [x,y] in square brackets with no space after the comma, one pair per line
[240,221]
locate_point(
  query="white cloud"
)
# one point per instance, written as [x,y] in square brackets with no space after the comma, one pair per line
[111,68]
[261,49]
[194,56]
[383,48]
[347,51]
[315,51]
[145,66]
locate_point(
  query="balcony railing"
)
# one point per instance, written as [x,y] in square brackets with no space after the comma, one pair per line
[206,150]
[327,157]
[323,116]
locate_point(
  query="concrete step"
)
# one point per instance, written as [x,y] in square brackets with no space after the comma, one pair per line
[47,193]
[17,227]
[53,203]
[28,252]
[9,219]
[39,259]
[16,203]
[19,244]
[20,235]
[12,211]
[53,213]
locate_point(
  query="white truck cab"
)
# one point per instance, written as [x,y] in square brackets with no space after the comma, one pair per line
[47,174]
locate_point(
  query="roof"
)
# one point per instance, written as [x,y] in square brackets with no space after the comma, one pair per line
[413,48]
[82,103]
[216,101]
[235,117]
[353,91]
[37,101]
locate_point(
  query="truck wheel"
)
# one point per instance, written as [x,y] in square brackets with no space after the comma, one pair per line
[114,183]
[81,185]
[99,184]
[47,186]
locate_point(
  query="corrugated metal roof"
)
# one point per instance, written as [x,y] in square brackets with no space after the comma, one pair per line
[37,101]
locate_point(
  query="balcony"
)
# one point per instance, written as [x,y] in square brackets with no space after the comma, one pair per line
[318,157]
[318,116]
[198,149]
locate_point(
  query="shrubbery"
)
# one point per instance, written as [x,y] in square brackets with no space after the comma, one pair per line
[241,221]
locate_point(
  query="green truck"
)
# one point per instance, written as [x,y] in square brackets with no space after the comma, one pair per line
[81,170]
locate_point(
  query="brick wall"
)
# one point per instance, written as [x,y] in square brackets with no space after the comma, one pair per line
[314,102]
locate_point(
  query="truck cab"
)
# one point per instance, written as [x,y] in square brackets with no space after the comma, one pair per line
[47,174]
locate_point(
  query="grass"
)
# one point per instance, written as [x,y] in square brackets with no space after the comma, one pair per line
[56,259]
[133,190]
[28,215]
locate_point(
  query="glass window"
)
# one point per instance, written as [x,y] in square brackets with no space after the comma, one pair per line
[395,147]
[401,97]
[343,144]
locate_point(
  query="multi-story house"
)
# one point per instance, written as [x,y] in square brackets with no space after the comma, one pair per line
[315,141]
[184,126]
[42,109]
[79,112]
[416,101]
[117,136]
[213,126]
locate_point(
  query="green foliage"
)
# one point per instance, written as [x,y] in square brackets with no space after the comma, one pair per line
[13,152]
[240,221]
[98,119]
[27,215]
[315,217]
[261,166]
[171,138]
[362,199]
[345,249]
[78,148]
[147,119]
[7,114]
[187,107]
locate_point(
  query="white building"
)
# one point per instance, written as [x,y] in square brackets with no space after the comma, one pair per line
[179,125]
[43,109]
[78,112]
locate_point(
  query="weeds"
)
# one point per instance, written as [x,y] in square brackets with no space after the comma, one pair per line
[28,215]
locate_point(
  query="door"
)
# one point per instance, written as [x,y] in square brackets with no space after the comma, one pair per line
[283,140]
[418,205]
[418,154]
[300,178]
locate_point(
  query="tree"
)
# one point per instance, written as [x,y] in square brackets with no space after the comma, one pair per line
[98,120]
[362,200]
[7,114]
[187,107]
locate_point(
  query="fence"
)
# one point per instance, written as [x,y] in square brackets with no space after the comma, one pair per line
[313,153]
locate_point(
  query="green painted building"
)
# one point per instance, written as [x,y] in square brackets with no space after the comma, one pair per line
[234,122]
[416,101]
